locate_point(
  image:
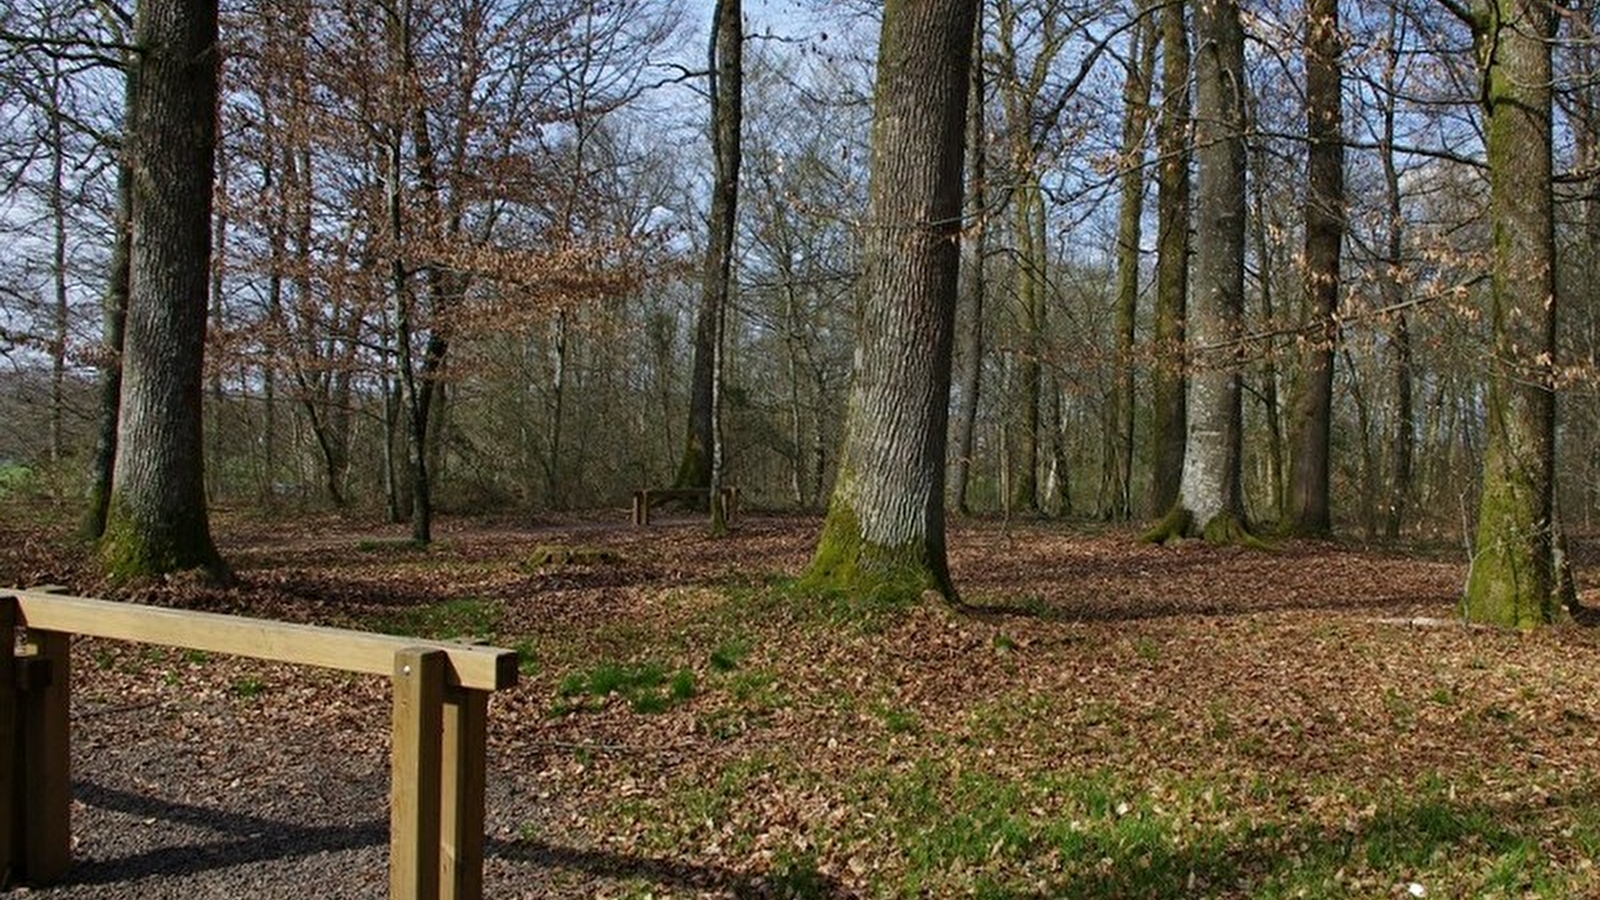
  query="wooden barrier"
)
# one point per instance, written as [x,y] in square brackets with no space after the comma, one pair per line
[439,726]
[644,500]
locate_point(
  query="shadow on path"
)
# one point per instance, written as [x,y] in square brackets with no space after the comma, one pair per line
[245,838]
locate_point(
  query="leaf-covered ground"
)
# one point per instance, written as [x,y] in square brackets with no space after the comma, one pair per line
[1103,719]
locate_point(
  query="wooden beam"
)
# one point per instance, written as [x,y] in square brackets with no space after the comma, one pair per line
[477,668]
[464,771]
[414,774]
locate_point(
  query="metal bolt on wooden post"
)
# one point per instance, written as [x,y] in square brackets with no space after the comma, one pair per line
[415,774]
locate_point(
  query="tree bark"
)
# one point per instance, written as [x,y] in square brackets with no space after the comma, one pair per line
[114,313]
[157,519]
[884,535]
[1310,512]
[1031,262]
[1130,220]
[975,242]
[727,116]
[1402,442]
[1210,502]
[1512,582]
[1168,375]
[1267,263]
[58,264]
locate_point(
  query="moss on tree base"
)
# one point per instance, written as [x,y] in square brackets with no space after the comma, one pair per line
[1505,588]
[1172,528]
[1224,529]
[129,550]
[848,564]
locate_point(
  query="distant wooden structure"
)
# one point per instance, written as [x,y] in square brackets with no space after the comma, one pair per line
[645,500]
[439,724]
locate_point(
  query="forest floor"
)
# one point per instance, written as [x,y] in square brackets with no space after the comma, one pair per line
[1104,719]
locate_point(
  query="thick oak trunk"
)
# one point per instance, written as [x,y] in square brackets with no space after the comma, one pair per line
[1512,581]
[884,535]
[157,519]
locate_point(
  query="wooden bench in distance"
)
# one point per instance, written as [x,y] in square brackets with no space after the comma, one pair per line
[644,500]
[439,722]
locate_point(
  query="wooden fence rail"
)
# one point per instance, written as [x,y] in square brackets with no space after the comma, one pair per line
[439,726]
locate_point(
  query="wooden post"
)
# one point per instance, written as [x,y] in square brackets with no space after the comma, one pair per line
[464,772]
[641,509]
[46,757]
[414,828]
[11,812]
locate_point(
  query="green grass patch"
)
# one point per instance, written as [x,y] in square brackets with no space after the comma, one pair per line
[14,478]
[898,721]
[463,618]
[391,545]
[728,655]
[646,687]
[967,832]
[1147,649]
[249,687]
[527,658]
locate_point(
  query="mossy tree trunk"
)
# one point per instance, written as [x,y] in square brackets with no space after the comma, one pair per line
[1210,502]
[1168,376]
[1512,580]
[1310,513]
[156,520]
[884,534]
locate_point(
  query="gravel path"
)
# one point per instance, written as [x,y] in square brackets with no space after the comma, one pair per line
[207,797]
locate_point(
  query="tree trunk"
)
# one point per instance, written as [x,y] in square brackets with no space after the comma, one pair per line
[219,238]
[884,534]
[1032,254]
[114,313]
[1512,582]
[558,408]
[727,115]
[1168,374]
[58,265]
[975,240]
[1130,219]
[1210,502]
[1266,268]
[1309,508]
[1402,443]
[157,518]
